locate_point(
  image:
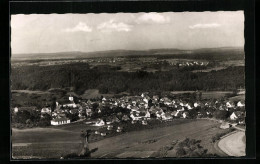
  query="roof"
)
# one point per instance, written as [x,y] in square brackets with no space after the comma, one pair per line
[60,119]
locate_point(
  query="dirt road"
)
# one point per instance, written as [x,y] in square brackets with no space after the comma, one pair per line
[233,144]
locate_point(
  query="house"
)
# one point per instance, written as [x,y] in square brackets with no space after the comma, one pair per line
[46,111]
[119,129]
[166,116]
[176,113]
[115,119]
[147,114]
[159,114]
[135,116]
[125,118]
[225,125]
[99,122]
[88,112]
[60,121]
[135,109]
[71,98]
[97,132]
[240,104]
[196,104]
[188,105]
[185,114]
[233,116]
[16,110]
[167,102]
[74,111]
[109,127]
[229,105]
[72,105]
[144,122]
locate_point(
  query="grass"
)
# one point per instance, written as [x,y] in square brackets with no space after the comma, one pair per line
[53,144]
[206,94]
[237,98]
[53,150]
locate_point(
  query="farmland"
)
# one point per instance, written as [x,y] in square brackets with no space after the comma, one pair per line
[52,143]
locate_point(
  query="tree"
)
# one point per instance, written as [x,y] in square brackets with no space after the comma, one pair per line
[150,103]
[53,104]
[200,95]
[72,117]
[45,120]
[22,116]
[221,114]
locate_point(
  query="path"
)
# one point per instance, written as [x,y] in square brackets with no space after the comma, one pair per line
[233,144]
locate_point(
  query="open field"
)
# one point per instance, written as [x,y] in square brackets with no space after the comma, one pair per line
[48,143]
[206,94]
[237,98]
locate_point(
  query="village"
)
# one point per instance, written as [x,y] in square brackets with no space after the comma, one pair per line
[140,109]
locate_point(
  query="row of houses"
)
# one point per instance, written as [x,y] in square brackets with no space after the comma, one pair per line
[190,63]
[141,108]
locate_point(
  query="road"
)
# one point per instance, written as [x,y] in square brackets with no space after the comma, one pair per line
[233,145]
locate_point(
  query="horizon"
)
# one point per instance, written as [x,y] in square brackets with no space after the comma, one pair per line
[234,47]
[54,33]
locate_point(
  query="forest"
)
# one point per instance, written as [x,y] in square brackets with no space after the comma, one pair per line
[108,80]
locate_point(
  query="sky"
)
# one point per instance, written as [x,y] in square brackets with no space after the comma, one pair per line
[47,33]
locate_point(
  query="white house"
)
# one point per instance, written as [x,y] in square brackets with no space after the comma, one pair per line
[60,121]
[119,129]
[88,112]
[46,110]
[196,104]
[135,117]
[73,105]
[16,110]
[225,125]
[144,122]
[184,115]
[100,122]
[145,100]
[166,116]
[240,104]
[229,105]
[233,116]
[147,114]
[71,98]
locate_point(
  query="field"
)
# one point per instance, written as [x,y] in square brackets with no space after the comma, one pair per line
[206,94]
[46,143]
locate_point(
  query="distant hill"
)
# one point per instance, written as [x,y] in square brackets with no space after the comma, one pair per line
[117,53]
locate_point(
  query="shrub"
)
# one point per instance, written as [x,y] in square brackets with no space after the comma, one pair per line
[180,152]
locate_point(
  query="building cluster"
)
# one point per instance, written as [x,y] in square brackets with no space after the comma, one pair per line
[190,63]
[141,109]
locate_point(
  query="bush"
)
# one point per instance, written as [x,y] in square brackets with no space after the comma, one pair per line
[219,135]
[190,148]
[21,117]
[180,152]
[45,120]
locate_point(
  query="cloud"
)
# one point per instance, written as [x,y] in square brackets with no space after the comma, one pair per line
[79,27]
[153,18]
[211,25]
[114,26]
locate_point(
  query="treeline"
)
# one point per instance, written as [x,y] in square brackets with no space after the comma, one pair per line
[108,80]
